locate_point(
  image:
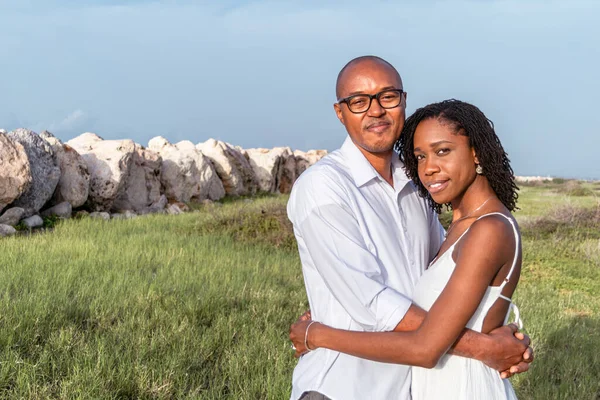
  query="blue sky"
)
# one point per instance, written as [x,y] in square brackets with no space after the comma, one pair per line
[262,73]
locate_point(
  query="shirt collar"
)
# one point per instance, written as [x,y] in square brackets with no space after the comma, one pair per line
[362,170]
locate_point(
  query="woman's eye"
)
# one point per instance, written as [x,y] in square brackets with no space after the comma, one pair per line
[441,152]
[419,157]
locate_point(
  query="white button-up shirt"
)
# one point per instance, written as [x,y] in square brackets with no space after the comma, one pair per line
[363,246]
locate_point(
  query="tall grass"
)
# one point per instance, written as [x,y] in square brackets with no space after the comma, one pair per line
[198,305]
[150,308]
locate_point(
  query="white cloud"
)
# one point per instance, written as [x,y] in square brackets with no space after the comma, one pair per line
[74,120]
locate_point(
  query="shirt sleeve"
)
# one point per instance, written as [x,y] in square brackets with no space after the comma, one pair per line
[351,272]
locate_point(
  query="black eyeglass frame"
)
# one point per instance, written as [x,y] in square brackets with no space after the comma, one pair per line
[371,97]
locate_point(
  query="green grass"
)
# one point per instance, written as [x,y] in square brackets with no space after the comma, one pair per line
[198,305]
[146,308]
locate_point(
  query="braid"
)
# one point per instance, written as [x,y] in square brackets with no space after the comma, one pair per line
[465,119]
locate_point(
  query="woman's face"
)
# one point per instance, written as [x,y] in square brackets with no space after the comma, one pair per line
[446,161]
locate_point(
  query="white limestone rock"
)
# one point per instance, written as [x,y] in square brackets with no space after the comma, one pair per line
[186,174]
[103,215]
[15,172]
[158,207]
[173,209]
[12,216]
[45,174]
[63,210]
[35,221]
[7,230]
[231,165]
[109,163]
[306,159]
[210,187]
[275,169]
[74,183]
[142,187]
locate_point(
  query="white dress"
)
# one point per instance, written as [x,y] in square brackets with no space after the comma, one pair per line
[456,377]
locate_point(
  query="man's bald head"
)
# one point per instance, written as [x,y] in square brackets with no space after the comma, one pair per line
[359,62]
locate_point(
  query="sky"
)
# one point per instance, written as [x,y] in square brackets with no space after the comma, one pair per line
[262,73]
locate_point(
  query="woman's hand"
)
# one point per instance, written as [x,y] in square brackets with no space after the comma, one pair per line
[298,334]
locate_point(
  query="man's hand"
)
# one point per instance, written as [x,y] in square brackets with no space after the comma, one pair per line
[509,351]
[305,317]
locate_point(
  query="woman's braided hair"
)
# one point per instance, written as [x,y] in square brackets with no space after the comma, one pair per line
[468,120]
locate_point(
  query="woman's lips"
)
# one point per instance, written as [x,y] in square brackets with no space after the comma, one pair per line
[437,186]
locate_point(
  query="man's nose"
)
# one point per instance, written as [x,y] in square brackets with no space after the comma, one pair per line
[375,110]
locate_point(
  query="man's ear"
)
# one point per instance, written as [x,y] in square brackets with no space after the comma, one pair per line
[338,112]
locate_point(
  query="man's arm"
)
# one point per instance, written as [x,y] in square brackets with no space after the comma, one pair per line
[331,244]
[350,271]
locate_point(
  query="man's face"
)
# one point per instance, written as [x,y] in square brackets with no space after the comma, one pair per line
[376,130]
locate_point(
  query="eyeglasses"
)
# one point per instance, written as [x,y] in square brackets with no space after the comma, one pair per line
[359,103]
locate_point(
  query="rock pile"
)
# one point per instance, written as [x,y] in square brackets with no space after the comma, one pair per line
[40,175]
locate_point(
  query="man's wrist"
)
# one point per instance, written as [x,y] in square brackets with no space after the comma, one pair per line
[471,344]
[484,347]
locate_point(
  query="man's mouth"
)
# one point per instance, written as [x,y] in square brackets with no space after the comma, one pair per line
[379,126]
[436,186]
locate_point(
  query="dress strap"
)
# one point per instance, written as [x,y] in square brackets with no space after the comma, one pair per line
[512,306]
[515,258]
[515,310]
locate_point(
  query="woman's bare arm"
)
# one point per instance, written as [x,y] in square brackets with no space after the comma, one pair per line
[481,254]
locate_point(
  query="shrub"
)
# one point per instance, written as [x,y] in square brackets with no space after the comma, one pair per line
[266,223]
[566,219]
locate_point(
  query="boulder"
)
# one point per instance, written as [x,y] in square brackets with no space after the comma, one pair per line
[74,183]
[12,216]
[186,174]
[173,209]
[231,165]
[15,172]
[109,163]
[81,214]
[275,169]
[210,187]
[100,215]
[158,207]
[130,214]
[7,230]
[35,221]
[142,186]
[45,174]
[306,159]
[63,210]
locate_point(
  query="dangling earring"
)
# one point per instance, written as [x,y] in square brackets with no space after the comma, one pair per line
[479,170]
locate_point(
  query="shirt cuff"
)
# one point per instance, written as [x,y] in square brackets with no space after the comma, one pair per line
[391,308]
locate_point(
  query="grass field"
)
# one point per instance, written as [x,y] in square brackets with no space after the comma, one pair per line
[199,305]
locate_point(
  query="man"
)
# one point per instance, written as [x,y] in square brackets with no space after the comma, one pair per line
[364,237]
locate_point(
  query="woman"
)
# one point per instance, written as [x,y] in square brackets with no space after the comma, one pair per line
[452,154]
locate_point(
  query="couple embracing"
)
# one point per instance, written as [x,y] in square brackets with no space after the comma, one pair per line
[388,288]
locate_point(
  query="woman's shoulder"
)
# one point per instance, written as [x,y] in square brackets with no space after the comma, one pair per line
[492,235]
